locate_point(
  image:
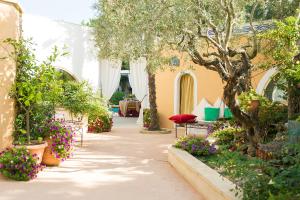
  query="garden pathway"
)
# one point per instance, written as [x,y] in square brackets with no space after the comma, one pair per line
[121,165]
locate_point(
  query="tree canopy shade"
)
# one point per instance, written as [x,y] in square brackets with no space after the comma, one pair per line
[203,29]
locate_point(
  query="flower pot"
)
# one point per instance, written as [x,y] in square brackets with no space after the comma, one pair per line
[298,85]
[36,149]
[49,158]
[254,104]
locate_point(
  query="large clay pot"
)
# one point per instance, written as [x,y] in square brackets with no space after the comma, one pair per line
[36,149]
[49,158]
[254,104]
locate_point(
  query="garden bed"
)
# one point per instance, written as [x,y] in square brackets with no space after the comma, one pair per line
[209,183]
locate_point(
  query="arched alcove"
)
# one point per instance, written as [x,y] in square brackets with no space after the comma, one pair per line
[268,86]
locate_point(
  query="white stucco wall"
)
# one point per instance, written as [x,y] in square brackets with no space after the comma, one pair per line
[82,60]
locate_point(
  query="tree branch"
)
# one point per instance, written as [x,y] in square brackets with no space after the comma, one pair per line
[254,52]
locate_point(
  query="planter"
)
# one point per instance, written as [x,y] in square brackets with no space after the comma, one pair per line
[36,149]
[254,104]
[49,158]
[298,85]
[208,182]
[162,131]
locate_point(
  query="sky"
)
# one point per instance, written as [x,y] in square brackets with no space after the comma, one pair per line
[74,11]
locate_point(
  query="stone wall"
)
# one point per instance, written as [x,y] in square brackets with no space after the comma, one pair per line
[10,15]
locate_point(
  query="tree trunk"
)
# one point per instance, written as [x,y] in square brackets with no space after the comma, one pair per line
[27,126]
[154,124]
[293,101]
[250,120]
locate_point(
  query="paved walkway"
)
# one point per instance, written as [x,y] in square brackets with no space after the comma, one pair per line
[121,165]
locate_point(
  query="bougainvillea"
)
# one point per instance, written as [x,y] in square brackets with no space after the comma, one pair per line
[19,164]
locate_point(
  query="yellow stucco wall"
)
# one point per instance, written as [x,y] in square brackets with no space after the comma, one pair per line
[209,86]
[10,14]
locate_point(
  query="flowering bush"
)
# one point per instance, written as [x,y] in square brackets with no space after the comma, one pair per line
[19,164]
[62,139]
[100,124]
[196,146]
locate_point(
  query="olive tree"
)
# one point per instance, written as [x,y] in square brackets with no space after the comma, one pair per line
[204,29]
[129,30]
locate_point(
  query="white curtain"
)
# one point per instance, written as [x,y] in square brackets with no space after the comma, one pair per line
[110,74]
[138,78]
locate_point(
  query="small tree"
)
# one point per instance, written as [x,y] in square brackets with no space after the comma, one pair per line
[283,48]
[120,33]
[34,82]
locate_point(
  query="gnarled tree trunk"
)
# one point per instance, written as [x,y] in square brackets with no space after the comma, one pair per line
[154,124]
[293,101]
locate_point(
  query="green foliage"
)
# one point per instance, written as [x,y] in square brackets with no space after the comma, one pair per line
[36,83]
[196,146]
[227,135]
[146,117]
[262,180]
[246,98]
[283,47]
[269,113]
[117,97]
[39,116]
[274,9]
[19,164]
[76,97]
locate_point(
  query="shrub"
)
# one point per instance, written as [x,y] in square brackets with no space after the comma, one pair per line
[117,97]
[19,164]
[146,117]
[62,139]
[76,97]
[227,135]
[99,118]
[100,124]
[196,146]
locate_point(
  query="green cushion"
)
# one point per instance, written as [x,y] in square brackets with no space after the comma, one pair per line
[227,113]
[211,114]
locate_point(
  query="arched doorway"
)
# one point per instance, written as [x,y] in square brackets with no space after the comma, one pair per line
[186,93]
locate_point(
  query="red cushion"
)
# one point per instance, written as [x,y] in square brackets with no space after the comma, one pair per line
[183,118]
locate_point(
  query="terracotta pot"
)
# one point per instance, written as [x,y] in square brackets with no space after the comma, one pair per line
[49,158]
[254,104]
[36,149]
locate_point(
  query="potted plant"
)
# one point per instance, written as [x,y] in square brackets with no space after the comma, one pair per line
[19,164]
[33,85]
[60,139]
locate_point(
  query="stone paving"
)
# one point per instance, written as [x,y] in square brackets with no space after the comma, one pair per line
[121,165]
